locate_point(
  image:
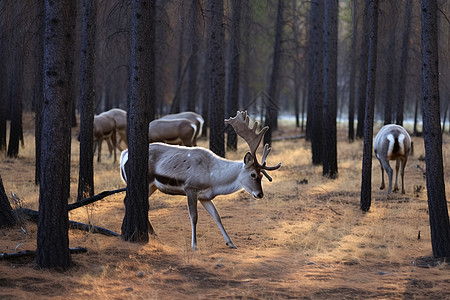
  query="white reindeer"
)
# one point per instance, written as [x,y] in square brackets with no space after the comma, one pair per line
[191,116]
[172,131]
[392,143]
[201,175]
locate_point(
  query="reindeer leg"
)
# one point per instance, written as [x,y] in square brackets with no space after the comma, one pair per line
[382,176]
[99,153]
[211,209]
[388,169]
[402,173]
[397,166]
[192,207]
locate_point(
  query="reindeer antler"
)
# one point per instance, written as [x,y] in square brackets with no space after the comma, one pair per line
[240,124]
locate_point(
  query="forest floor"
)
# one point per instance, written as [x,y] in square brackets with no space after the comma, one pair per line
[306,239]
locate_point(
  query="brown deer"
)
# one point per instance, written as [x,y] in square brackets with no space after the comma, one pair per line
[173,131]
[104,129]
[191,116]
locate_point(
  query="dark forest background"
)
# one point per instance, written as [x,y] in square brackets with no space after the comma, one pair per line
[181,56]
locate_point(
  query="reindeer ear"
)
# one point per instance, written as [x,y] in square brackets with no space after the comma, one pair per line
[248,159]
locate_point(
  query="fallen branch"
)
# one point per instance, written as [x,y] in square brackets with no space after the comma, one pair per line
[93,199]
[282,138]
[30,253]
[33,216]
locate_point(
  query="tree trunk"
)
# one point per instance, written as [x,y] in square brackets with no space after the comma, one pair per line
[316,80]
[15,95]
[7,218]
[87,96]
[3,88]
[404,62]
[366,185]
[193,55]
[363,75]
[52,236]
[352,91]
[135,225]
[330,34]
[38,91]
[437,203]
[389,79]
[217,78]
[272,103]
[233,77]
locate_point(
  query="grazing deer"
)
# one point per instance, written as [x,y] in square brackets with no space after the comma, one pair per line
[120,117]
[191,116]
[104,129]
[392,143]
[201,175]
[176,131]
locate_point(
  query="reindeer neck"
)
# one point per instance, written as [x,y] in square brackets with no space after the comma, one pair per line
[225,177]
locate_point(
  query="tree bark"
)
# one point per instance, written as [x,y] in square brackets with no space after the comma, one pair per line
[87,96]
[316,80]
[437,203]
[330,34]
[135,225]
[352,90]
[233,77]
[7,218]
[272,103]
[366,185]
[217,78]
[52,236]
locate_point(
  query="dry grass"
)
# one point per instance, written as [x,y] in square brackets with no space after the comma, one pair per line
[303,240]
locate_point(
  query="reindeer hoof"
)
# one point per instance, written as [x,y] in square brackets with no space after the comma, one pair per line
[231,245]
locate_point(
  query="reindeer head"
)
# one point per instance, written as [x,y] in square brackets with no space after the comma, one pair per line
[240,124]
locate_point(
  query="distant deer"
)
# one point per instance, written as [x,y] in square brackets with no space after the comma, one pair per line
[172,131]
[120,117]
[191,116]
[201,175]
[104,129]
[392,143]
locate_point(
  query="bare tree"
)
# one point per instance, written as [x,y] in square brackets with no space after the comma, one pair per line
[316,80]
[272,105]
[330,34]
[437,203]
[366,185]
[364,50]
[135,225]
[7,218]
[233,75]
[404,62]
[352,91]
[86,171]
[53,224]
[390,58]
[217,78]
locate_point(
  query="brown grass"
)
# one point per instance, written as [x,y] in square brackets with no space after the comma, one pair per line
[307,241]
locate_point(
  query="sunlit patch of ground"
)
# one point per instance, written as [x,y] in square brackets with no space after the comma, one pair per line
[307,238]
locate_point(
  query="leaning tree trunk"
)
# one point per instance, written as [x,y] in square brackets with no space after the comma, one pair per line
[7,218]
[437,203]
[366,185]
